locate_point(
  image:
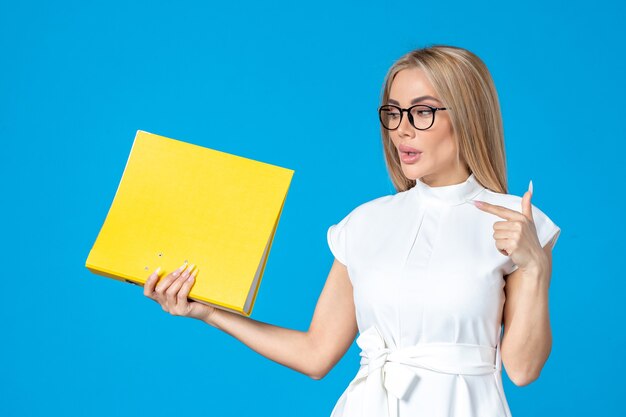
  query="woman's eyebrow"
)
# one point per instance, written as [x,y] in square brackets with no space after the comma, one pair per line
[415,100]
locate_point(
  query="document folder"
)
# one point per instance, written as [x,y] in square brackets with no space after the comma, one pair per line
[178,202]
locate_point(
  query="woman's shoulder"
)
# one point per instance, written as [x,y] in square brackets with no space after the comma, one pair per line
[510,201]
[363,220]
[374,213]
[380,206]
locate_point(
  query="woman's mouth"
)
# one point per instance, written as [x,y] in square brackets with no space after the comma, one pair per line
[410,157]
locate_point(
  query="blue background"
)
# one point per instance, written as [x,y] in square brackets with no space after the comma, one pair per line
[77,79]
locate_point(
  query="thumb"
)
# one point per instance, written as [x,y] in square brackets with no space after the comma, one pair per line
[526,204]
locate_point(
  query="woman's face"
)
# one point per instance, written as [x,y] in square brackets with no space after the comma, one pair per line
[436,161]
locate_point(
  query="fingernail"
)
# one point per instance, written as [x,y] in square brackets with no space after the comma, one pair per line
[193,275]
[180,269]
[474,202]
[190,269]
[157,271]
[530,186]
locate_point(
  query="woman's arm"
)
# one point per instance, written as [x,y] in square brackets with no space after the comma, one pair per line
[527,339]
[314,352]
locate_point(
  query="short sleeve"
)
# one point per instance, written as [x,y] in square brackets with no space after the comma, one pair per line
[337,239]
[547,231]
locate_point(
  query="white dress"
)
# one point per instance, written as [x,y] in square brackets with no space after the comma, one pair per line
[429,295]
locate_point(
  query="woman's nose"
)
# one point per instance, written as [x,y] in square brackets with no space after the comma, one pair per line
[405,127]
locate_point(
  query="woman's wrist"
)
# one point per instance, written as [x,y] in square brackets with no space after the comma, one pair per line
[210,317]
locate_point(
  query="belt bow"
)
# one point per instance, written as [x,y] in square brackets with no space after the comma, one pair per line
[389,374]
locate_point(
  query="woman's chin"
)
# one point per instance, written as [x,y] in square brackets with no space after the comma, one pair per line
[412,173]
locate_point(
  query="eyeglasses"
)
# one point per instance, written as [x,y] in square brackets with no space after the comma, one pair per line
[421,116]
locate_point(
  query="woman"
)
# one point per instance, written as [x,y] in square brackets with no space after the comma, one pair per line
[423,274]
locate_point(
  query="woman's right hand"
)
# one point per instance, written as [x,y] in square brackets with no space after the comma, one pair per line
[172,291]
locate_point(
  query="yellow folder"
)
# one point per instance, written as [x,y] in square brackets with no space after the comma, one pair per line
[178,202]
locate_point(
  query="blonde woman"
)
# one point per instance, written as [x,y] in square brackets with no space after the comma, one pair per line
[442,289]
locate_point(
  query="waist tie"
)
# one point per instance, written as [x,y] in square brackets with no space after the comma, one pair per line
[388,375]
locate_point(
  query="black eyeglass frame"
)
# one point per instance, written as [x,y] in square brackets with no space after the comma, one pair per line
[408,112]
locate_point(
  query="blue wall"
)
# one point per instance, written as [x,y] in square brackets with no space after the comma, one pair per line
[77,79]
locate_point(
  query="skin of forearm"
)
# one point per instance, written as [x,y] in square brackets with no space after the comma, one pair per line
[529,338]
[288,347]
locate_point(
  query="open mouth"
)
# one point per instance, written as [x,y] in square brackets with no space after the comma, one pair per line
[410,157]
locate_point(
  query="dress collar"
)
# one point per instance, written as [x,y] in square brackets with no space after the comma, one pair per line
[447,195]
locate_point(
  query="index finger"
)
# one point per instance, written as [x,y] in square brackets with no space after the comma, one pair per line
[148,287]
[499,211]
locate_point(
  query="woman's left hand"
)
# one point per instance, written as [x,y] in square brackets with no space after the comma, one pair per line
[516,237]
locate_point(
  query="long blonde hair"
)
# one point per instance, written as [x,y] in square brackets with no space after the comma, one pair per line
[463,83]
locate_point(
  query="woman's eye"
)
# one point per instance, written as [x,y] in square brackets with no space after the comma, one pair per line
[424,113]
[393,115]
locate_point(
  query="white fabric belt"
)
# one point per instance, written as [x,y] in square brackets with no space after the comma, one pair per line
[388,375]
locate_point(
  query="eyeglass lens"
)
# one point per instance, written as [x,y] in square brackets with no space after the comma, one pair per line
[423,117]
